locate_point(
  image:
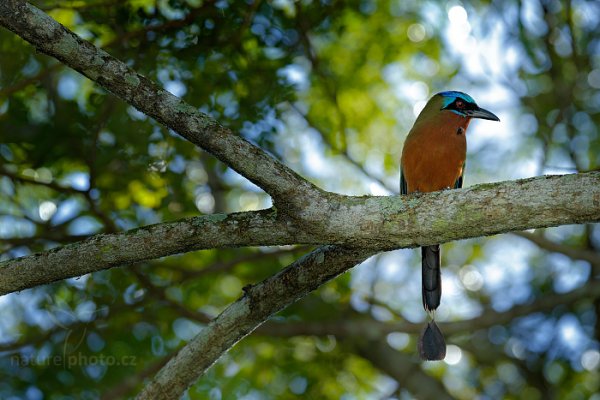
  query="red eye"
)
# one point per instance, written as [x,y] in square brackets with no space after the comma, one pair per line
[460,104]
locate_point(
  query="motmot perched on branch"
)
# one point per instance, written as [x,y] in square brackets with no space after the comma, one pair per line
[433,158]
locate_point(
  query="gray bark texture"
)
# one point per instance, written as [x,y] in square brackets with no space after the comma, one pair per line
[349,229]
[374,223]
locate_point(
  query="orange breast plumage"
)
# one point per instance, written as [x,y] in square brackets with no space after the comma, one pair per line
[434,153]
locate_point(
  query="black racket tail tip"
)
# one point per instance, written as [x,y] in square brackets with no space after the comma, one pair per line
[432,346]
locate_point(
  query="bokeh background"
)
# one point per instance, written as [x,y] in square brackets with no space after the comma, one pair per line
[330,88]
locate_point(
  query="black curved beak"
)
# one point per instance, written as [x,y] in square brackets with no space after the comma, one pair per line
[482,113]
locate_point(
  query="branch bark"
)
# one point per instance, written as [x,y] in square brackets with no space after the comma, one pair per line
[257,304]
[374,223]
[385,222]
[275,293]
[106,251]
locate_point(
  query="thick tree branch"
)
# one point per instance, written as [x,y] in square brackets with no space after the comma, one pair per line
[274,294]
[487,209]
[257,304]
[376,223]
[52,38]
[105,251]
[277,292]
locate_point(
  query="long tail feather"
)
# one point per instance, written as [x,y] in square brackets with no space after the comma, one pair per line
[431,277]
[432,345]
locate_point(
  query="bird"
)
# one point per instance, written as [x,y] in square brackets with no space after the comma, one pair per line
[433,159]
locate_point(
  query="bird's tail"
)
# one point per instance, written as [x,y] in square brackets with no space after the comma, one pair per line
[431,283]
[432,345]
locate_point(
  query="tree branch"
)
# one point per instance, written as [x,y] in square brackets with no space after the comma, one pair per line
[52,38]
[106,251]
[257,304]
[275,293]
[384,222]
[376,223]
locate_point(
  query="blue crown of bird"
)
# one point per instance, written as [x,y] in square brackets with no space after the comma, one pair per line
[433,158]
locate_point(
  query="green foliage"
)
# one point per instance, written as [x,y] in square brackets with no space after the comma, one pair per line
[330,88]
